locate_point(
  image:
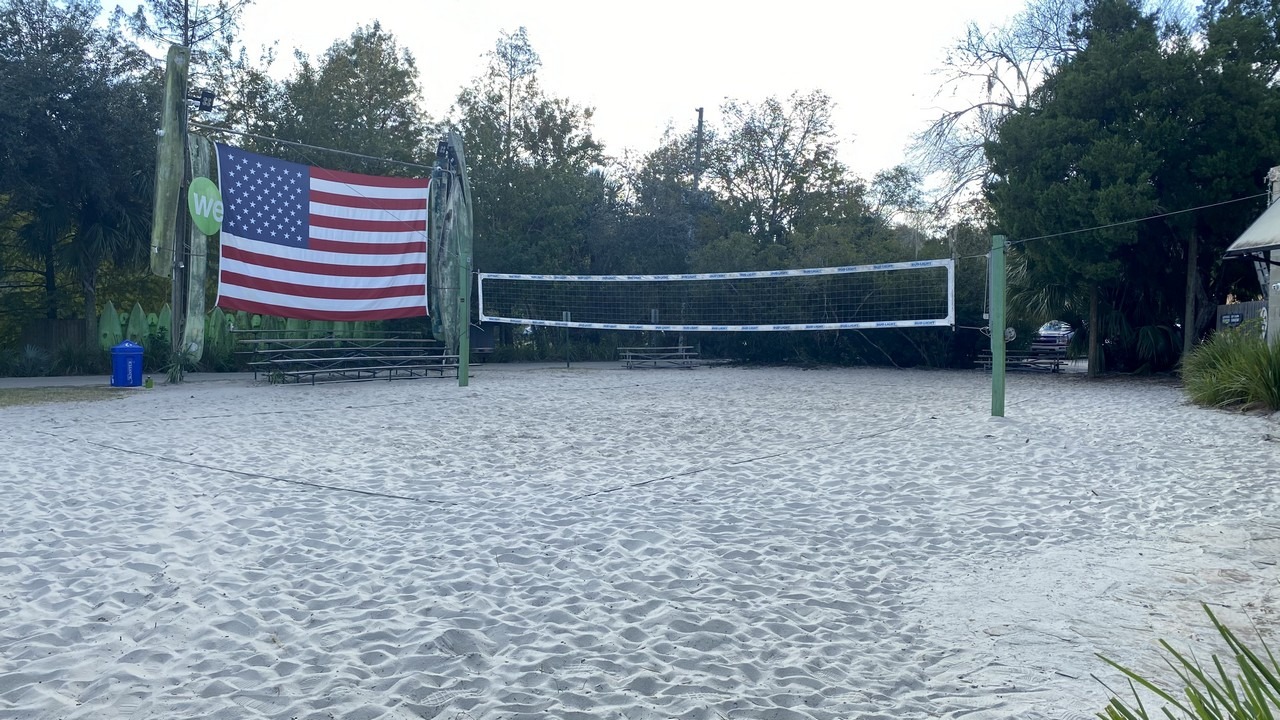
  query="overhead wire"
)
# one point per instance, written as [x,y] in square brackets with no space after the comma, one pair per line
[321,148]
[1123,222]
[304,147]
[1138,220]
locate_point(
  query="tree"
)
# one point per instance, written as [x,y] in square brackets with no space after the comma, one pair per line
[249,99]
[1075,158]
[203,27]
[1144,119]
[76,141]
[361,96]
[514,61]
[207,28]
[775,165]
[1234,138]
[535,168]
[988,76]
[661,218]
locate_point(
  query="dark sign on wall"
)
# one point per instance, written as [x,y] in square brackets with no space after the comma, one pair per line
[1237,314]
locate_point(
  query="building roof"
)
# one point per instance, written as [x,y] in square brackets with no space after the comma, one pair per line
[1262,235]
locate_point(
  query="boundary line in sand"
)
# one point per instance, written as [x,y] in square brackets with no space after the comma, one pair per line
[259,476]
[256,476]
[745,461]
[575,498]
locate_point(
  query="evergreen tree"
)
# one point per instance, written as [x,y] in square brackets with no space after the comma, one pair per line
[536,168]
[361,96]
[1141,121]
[76,143]
[775,166]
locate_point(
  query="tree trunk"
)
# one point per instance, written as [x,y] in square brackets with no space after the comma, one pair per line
[89,281]
[1094,347]
[50,286]
[1189,317]
[1207,312]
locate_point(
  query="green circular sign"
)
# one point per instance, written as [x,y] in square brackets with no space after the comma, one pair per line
[205,204]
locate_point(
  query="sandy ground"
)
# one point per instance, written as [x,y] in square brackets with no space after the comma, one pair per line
[601,543]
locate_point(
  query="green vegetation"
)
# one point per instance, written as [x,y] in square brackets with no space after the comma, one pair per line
[1089,113]
[180,363]
[152,333]
[1118,113]
[1098,112]
[1235,368]
[1244,687]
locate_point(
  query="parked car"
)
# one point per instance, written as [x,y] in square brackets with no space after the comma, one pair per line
[1053,336]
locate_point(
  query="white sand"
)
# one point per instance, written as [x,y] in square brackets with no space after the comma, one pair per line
[601,543]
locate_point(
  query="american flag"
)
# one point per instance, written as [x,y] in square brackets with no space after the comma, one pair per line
[313,244]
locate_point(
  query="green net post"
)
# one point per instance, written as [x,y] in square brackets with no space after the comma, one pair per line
[998,245]
[464,321]
[566,317]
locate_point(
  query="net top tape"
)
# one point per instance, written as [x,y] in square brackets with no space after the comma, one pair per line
[943,322]
[840,270]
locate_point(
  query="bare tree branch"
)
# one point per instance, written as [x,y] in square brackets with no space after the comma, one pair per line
[993,73]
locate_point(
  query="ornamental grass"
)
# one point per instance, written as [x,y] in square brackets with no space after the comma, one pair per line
[1244,686]
[1236,368]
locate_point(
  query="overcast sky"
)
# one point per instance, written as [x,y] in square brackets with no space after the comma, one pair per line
[646,65]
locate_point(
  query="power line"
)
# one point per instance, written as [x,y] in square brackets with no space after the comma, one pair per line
[215,128]
[1123,222]
[1138,220]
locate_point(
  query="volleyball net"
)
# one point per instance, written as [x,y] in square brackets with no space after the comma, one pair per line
[855,297]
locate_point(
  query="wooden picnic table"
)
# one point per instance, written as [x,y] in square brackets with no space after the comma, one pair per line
[678,356]
[1050,360]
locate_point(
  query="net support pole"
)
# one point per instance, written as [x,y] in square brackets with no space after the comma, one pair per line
[464,321]
[566,317]
[998,246]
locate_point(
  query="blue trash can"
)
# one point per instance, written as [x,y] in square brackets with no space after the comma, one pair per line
[126,365]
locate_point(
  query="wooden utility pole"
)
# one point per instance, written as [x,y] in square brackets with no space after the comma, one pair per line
[168,233]
[697,157]
[1189,319]
[1095,329]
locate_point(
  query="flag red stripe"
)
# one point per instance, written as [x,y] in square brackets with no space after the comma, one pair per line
[318,291]
[368,180]
[319,268]
[358,248]
[260,308]
[368,225]
[372,203]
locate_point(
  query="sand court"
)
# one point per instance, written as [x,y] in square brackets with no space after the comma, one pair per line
[600,543]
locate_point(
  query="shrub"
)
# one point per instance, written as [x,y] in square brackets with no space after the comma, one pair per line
[180,363]
[76,359]
[1235,368]
[155,351]
[1245,686]
[31,362]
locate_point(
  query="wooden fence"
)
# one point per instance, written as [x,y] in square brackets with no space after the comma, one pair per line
[1237,314]
[49,335]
